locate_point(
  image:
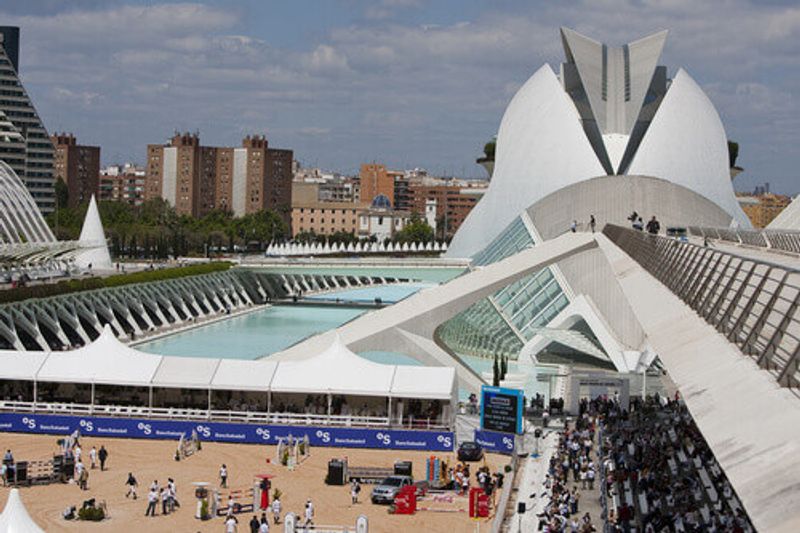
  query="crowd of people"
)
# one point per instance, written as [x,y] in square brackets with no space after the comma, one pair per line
[574,456]
[659,473]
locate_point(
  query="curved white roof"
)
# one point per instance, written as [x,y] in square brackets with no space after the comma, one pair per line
[789,218]
[543,143]
[20,219]
[686,144]
[15,517]
[541,147]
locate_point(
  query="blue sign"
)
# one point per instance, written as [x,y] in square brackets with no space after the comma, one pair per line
[495,442]
[501,409]
[133,428]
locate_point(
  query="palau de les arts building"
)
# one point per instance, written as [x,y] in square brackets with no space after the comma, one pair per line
[607,135]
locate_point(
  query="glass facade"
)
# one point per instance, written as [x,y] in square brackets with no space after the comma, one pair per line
[501,323]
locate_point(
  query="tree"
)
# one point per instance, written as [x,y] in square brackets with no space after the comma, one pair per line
[488,150]
[733,152]
[496,373]
[503,367]
[62,193]
[417,230]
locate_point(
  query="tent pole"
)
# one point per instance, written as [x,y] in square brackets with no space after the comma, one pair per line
[269,401]
[208,413]
[91,406]
[150,401]
[389,412]
[35,395]
[330,402]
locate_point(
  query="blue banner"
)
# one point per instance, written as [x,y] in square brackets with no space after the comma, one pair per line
[132,428]
[495,442]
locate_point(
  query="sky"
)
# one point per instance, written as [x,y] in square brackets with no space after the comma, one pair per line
[410,83]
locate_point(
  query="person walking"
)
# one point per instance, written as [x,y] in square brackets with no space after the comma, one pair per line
[103,456]
[254,524]
[573,227]
[93,458]
[653,226]
[223,476]
[131,483]
[263,527]
[355,488]
[152,501]
[309,513]
[592,222]
[83,479]
[276,510]
[231,524]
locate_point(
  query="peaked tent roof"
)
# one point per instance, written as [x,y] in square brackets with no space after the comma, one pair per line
[337,370]
[106,360]
[93,238]
[244,374]
[15,517]
[423,382]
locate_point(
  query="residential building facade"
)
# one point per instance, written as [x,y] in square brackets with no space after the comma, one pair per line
[122,184]
[24,143]
[310,214]
[197,179]
[78,166]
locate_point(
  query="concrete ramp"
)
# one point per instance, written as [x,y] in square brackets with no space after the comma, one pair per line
[410,324]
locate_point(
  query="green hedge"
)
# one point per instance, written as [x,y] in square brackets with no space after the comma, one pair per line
[85,284]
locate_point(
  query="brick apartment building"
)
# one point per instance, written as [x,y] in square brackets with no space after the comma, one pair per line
[197,179]
[77,165]
[453,204]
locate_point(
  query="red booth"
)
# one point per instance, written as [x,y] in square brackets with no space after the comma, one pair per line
[479,503]
[405,502]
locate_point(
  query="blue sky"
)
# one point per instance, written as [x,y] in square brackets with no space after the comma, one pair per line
[405,82]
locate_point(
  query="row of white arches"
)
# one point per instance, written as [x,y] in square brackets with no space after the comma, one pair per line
[295,249]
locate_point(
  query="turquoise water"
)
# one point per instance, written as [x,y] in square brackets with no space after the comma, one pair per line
[433,275]
[387,293]
[253,335]
[273,329]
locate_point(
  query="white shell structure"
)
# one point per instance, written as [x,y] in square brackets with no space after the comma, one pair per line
[93,241]
[546,142]
[20,219]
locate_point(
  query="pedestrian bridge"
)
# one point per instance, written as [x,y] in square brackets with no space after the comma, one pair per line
[726,328]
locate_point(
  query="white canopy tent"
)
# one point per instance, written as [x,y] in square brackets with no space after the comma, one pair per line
[105,361]
[15,517]
[335,371]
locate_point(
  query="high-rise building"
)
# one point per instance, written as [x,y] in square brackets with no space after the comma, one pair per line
[78,166]
[197,179]
[376,180]
[24,143]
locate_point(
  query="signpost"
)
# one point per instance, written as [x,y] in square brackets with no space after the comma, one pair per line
[501,409]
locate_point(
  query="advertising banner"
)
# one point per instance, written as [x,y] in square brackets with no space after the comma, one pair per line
[133,428]
[493,441]
[501,409]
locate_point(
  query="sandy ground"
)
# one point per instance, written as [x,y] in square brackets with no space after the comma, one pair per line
[150,460]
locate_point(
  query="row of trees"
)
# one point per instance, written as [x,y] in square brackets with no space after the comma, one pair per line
[155,231]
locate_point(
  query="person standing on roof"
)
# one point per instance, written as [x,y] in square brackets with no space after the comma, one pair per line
[653,226]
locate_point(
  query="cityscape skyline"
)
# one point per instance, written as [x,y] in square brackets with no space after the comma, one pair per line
[404,82]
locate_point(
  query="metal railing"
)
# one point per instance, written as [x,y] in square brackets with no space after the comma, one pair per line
[784,240]
[244,417]
[753,303]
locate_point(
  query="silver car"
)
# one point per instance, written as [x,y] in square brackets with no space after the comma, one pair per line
[389,487]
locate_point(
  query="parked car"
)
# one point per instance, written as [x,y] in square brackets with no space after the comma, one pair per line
[470,451]
[389,487]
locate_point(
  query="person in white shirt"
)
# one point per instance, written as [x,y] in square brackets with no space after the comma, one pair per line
[93,457]
[77,452]
[231,524]
[264,526]
[79,466]
[276,510]
[152,501]
[223,476]
[309,512]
